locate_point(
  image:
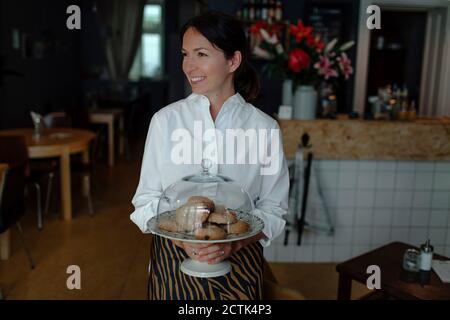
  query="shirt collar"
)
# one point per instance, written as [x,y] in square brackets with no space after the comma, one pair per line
[231,102]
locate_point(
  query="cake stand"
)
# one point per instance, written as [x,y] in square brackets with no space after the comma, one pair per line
[196,268]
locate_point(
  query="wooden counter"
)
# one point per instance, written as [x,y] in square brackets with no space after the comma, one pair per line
[423,139]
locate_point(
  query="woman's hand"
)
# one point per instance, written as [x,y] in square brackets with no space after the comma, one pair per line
[191,249]
[215,252]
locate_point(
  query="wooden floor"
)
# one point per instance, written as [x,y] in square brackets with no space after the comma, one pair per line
[111,251]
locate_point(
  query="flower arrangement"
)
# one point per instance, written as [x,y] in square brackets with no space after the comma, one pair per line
[304,58]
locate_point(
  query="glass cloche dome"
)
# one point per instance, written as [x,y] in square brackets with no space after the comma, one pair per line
[205,208]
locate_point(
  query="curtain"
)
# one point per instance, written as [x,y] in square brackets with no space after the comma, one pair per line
[124,22]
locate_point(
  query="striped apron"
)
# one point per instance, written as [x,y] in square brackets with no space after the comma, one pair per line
[167,281]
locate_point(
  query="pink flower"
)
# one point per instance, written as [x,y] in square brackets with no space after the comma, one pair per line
[325,67]
[346,65]
[259,52]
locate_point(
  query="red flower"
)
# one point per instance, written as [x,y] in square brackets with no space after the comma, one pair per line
[298,60]
[320,45]
[315,42]
[299,31]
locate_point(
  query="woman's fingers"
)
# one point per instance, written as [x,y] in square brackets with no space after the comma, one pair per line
[219,256]
[215,253]
[192,252]
[193,249]
[211,249]
[211,253]
[197,246]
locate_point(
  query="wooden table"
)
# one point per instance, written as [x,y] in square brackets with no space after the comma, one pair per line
[5,248]
[390,259]
[58,142]
[109,117]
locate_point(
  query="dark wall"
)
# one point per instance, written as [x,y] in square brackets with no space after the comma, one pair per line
[51,79]
[402,65]
[178,12]
[74,61]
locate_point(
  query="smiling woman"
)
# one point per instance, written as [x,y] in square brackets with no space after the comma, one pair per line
[215,62]
[215,58]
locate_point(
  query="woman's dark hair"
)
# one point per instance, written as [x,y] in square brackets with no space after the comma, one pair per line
[227,34]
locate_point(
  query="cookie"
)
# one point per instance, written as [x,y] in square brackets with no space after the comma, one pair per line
[210,232]
[220,208]
[191,216]
[168,224]
[222,216]
[206,202]
[237,228]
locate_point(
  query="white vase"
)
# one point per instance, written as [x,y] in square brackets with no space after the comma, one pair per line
[287,93]
[305,103]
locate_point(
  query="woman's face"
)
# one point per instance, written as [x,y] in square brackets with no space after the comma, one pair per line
[205,66]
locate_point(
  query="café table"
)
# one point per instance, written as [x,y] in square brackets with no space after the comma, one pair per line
[109,117]
[60,143]
[389,259]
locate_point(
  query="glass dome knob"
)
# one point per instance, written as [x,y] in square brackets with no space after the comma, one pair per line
[206,165]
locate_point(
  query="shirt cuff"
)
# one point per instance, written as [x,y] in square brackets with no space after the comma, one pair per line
[142,215]
[273,226]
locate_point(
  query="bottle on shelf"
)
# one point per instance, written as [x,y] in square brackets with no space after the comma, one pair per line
[404,96]
[333,106]
[264,10]
[392,109]
[398,95]
[412,113]
[403,113]
[251,10]
[239,14]
[271,11]
[245,8]
[257,9]
[278,11]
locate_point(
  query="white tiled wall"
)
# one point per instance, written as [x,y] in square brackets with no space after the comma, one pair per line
[371,204]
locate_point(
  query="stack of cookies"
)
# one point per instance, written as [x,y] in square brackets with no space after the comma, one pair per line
[205,220]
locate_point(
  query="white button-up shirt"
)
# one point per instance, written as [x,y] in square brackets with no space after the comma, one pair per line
[160,168]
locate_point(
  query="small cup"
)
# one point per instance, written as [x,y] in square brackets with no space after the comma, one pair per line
[285,112]
[411,260]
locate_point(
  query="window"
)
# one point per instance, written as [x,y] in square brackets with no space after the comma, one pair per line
[148,62]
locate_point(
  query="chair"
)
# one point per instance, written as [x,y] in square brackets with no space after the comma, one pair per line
[64,120]
[12,188]
[13,151]
[38,171]
[57,120]
[9,152]
[40,168]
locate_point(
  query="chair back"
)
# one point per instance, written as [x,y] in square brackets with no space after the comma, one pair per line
[57,120]
[13,151]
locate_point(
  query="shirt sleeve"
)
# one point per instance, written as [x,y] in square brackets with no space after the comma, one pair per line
[273,199]
[149,190]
